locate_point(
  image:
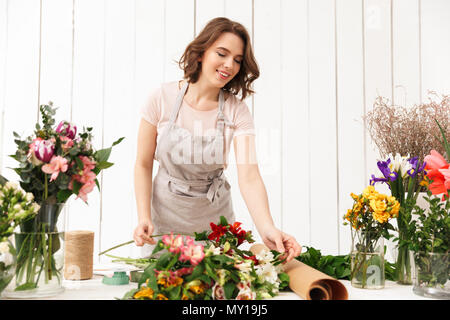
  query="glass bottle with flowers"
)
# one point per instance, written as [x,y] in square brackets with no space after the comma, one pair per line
[54,164]
[404,136]
[369,223]
[16,207]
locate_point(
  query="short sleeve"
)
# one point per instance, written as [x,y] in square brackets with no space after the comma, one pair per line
[151,110]
[243,121]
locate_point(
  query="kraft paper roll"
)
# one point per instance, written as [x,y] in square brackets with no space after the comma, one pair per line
[79,255]
[309,283]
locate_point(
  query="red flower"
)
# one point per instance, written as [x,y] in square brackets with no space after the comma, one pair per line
[217,232]
[253,258]
[238,232]
[435,163]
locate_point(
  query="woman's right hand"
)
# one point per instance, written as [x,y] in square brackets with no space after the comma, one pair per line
[142,233]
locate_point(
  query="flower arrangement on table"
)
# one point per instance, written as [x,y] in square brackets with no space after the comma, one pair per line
[404,137]
[16,206]
[188,270]
[431,230]
[369,220]
[55,163]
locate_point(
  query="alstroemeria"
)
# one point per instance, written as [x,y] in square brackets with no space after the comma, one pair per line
[57,164]
[67,129]
[66,143]
[244,266]
[218,292]
[245,291]
[217,232]
[192,252]
[44,150]
[175,243]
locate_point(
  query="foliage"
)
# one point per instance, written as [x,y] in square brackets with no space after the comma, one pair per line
[186,270]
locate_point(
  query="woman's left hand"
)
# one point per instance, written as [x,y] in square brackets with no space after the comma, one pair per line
[277,240]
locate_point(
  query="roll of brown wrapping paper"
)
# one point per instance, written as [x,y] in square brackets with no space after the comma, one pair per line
[309,283]
[79,255]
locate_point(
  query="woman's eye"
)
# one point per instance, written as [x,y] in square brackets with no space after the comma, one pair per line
[221,55]
[237,61]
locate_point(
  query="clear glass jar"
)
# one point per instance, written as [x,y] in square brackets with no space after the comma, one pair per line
[367,261]
[431,274]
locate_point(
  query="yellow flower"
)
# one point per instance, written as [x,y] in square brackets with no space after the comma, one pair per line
[369,192]
[424,183]
[160,296]
[354,196]
[395,209]
[381,216]
[184,297]
[144,293]
[378,206]
[197,289]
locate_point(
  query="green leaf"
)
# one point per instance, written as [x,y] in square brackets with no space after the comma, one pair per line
[103,165]
[102,155]
[223,221]
[26,286]
[117,141]
[229,288]
[63,195]
[80,163]
[76,186]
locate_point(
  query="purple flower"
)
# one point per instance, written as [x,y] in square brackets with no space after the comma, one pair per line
[386,171]
[67,129]
[44,150]
[415,168]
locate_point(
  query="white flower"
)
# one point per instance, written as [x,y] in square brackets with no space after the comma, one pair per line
[244,266]
[212,250]
[5,257]
[264,256]
[4,247]
[267,272]
[400,164]
[11,185]
[246,294]
[29,196]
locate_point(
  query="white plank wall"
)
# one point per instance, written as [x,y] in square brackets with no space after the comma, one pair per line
[322,64]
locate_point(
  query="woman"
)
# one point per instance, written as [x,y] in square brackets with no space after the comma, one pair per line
[187,126]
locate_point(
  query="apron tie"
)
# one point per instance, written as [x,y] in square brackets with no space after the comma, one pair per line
[213,191]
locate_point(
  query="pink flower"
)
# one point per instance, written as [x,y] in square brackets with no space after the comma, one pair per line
[57,164]
[66,143]
[43,149]
[67,129]
[218,292]
[446,174]
[88,163]
[85,177]
[175,243]
[435,164]
[31,152]
[192,252]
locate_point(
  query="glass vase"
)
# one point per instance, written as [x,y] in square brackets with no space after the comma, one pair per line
[367,261]
[403,266]
[7,264]
[431,274]
[40,255]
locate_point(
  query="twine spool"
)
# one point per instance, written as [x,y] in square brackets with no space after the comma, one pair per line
[79,251]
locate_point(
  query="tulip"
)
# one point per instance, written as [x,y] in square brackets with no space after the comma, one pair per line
[67,129]
[44,150]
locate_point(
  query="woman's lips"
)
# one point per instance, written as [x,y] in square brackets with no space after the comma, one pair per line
[223,75]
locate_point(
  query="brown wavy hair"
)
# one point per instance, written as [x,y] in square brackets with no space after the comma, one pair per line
[248,71]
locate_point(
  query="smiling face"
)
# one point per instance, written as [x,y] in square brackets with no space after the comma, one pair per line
[222,60]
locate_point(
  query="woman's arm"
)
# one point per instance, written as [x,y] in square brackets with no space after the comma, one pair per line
[143,173]
[254,194]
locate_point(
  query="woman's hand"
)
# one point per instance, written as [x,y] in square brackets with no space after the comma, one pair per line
[142,233]
[277,240]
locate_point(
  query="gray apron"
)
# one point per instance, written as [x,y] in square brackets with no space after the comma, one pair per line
[190,189]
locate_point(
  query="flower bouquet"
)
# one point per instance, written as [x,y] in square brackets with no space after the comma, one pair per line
[369,223]
[217,269]
[404,136]
[54,164]
[404,176]
[431,229]
[16,206]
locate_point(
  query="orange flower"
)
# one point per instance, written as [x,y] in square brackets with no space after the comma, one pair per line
[144,293]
